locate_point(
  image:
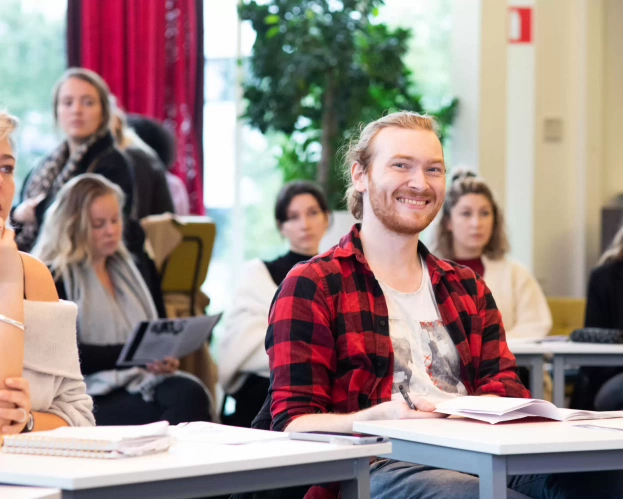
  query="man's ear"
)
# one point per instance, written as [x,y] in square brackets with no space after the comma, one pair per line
[360,178]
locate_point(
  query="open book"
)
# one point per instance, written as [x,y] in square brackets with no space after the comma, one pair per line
[497,409]
[107,442]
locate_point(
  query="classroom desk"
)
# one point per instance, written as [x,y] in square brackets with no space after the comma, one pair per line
[494,451]
[191,470]
[9,492]
[531,354]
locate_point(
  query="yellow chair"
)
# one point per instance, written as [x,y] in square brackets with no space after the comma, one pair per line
[567,314]
[182,249]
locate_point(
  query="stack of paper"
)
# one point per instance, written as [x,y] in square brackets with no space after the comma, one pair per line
[497,409]
[104,442]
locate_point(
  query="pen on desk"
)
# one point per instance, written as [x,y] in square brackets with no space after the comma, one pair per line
[405,396]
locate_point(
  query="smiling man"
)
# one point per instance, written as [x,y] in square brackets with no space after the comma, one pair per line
[378,312]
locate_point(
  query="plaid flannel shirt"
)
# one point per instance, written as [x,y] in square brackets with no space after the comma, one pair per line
[328,338]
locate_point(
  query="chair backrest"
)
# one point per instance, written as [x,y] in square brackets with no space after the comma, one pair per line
[186,269]
[567,314]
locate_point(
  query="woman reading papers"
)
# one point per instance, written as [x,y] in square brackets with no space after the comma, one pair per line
[93,268]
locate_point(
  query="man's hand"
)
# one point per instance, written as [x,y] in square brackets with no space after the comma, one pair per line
[398,409]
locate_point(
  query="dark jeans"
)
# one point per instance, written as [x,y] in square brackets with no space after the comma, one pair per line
[249,400]
[610,396]
[588,383]
[177,400]
[398,480]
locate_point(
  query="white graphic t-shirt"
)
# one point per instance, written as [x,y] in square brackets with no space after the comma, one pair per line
[426,362]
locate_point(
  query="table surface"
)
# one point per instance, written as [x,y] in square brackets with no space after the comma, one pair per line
[529,437]
[9,492]
[185,459]
[561,347]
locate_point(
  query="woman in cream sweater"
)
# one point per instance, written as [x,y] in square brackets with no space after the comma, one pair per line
[41,387]
[302,216]
[471,232]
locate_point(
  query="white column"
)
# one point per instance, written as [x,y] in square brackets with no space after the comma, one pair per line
[520,135]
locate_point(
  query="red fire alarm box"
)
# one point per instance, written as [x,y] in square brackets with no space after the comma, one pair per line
[520,24]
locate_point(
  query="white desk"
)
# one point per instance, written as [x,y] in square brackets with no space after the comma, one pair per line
[8,492]
[494,451]
[531,354]
[200,470]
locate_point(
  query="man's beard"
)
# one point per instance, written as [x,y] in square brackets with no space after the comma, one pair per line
[391,218]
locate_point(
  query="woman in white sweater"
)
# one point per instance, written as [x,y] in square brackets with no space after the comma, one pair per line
[471,232]
[302,216]
[41,387]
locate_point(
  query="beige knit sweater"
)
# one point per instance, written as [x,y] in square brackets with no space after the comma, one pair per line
[51,363]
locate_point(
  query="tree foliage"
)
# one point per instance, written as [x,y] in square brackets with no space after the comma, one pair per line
[319,68]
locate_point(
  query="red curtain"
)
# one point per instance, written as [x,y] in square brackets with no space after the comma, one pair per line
[150,52]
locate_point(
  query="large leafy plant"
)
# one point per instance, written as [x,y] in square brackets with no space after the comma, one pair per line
[319,68]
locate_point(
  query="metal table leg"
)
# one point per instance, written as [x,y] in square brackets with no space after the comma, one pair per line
[559,380]
[359,487]
[493,479]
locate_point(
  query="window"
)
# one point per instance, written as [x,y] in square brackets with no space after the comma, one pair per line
[241,178]
[33,58]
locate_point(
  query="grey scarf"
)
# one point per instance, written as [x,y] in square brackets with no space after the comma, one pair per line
[103,319]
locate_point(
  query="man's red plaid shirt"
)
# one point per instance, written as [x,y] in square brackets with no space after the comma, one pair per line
[328,336]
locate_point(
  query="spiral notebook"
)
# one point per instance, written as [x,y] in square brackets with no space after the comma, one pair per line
[101,442]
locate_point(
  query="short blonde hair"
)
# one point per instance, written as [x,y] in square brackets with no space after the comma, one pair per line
[64,237]
[8,124]
[360,149]
[467,182]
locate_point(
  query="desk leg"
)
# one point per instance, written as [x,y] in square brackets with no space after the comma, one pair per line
[359,487]
[559,380]
[536,377]
[493,479]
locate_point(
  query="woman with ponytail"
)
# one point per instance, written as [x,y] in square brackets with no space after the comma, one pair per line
[471,232]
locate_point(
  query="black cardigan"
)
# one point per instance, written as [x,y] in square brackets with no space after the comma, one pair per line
[604,302]
[95,358]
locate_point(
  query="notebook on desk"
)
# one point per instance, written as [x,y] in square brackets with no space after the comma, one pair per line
[102,442]
[498,409]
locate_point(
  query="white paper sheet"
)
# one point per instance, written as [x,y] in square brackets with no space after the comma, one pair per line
[155,340]
[201,432]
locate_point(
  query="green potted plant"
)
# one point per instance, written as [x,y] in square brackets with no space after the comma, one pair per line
[318,69]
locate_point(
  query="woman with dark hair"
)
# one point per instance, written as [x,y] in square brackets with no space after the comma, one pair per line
[302,216]
[601,388]
[162,141]
[82,111]
[471,232]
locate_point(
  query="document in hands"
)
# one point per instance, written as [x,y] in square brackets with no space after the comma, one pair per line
[153,341]
[103,442]
[497,409]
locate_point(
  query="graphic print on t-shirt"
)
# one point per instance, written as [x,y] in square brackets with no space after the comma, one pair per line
[425,358]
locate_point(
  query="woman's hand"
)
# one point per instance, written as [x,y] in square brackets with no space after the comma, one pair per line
[11,270]
[167,366]
[25,211]
[18,393]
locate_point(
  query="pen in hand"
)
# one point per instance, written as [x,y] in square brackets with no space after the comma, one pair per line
[405,396]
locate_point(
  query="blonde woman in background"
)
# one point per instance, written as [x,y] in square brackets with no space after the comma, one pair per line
[114,292]
[36,328]
[471,232]
[82,111]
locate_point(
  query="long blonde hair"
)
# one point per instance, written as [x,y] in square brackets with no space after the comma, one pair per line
[66,232]
[467,182]
[615,250]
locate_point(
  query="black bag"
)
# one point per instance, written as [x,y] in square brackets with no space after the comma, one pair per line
[597,335]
